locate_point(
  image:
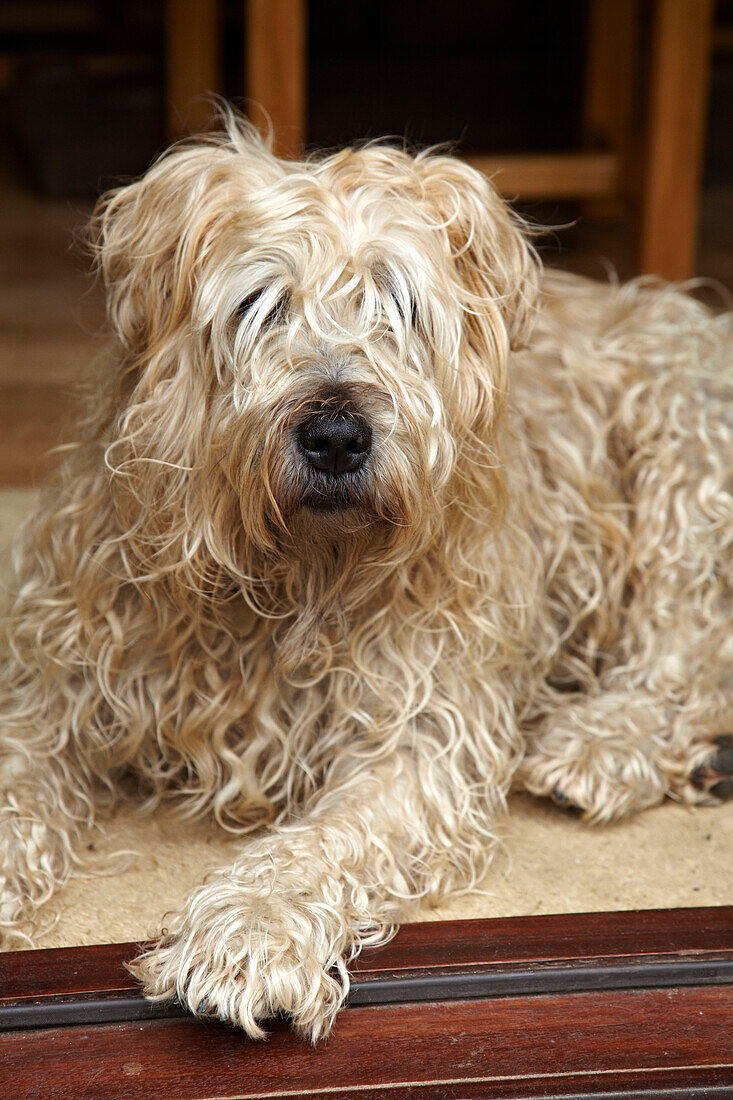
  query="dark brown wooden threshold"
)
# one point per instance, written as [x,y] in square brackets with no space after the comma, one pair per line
[603,1005]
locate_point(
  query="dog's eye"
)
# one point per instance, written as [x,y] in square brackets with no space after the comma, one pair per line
[405,304]
[407,310]
[251,307]
[401,294]
[247,305]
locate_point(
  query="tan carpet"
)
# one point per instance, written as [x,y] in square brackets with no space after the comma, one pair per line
[551,863]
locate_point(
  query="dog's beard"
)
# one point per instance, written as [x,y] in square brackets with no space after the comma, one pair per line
[325,498]
[284,500]
[318,545]
[319,495]
[318,549]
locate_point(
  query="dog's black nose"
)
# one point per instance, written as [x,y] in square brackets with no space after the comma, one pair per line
[336,443]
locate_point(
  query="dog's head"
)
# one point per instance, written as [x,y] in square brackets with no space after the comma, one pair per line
[313,353]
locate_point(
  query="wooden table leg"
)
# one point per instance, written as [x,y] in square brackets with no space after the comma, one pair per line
[673,152]
[192,64]
[275,53]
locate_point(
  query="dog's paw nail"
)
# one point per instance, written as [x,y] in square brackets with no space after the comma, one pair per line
[723,790]
[698,777]
[722,762]
[563,801]
[715,776]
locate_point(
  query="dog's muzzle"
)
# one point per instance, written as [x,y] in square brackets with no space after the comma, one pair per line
[335,443]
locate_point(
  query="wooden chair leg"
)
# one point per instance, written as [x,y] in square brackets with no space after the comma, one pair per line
[275,53]
[612,44]
[192,64]
[673,151]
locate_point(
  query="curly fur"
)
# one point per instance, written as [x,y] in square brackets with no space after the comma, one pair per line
[529,581]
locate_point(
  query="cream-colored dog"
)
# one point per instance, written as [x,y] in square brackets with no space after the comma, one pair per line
[371,523]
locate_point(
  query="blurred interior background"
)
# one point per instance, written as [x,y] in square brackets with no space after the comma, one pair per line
[613,118]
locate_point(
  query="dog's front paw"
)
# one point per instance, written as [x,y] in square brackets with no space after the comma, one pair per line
[244,960]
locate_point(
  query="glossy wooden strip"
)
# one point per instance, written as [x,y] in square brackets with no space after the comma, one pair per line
[558,936]
[400,988]
[437,945]
[485,1044]
[65,971]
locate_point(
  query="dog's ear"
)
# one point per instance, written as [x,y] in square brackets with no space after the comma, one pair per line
[151,236]
[496,264]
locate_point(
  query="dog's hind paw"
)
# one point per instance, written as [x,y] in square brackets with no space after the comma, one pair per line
[601,783]
[562,800]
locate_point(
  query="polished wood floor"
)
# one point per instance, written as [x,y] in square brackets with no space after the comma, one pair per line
[52,310]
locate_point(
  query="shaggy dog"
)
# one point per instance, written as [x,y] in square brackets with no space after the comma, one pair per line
[371,523]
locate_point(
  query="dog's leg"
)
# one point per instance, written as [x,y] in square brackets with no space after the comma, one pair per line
[44,815]
[605,754]
[52,765]
[274,932]
[659,718]
[619,751]
[48,783]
